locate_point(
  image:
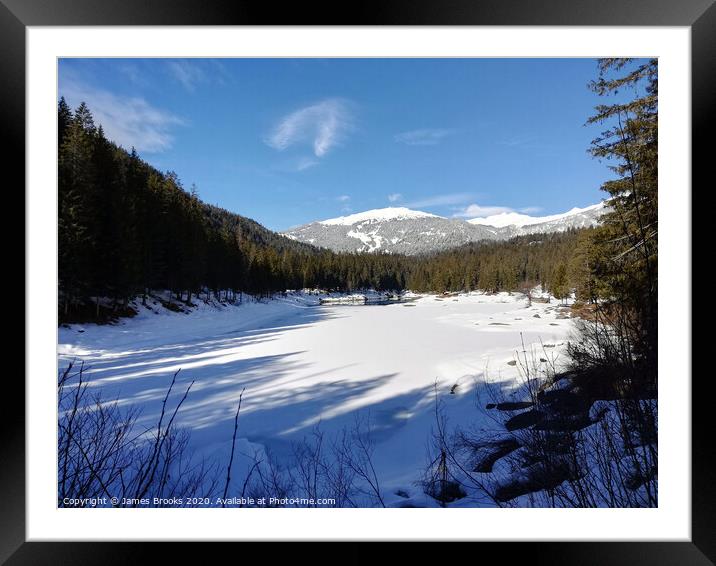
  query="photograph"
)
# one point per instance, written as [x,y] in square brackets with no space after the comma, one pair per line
[357,282]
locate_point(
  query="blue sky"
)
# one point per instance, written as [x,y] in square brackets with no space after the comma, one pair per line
[288,141]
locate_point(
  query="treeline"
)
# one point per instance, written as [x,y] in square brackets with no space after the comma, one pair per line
[523,261]
[126,229]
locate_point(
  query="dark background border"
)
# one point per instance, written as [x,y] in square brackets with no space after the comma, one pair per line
[700,15]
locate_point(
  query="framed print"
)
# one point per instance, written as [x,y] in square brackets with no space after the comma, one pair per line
[289,277]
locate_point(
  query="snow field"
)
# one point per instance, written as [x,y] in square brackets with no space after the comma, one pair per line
[304,365]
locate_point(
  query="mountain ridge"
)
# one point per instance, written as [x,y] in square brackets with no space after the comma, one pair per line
[412,232]
[378,214]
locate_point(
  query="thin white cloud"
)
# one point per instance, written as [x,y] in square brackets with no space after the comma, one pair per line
[394,197]
[296,164]
[477,211]
[524,142]
[191,73]
[425,136]
[516,140]
[132,72]
[531,209]
[441,200]
[188,73]
[305,163]
[128,121]
[323,125]
[343,198]
[219,72]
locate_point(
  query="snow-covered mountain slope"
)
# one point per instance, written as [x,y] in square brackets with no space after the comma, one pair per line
[380,214]
[395,230]
[575,218]
[517,224]
[412,232]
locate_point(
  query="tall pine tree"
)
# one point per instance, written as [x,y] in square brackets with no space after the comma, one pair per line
[627,241]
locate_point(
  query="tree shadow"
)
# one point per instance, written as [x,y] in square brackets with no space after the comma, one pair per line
[283,401]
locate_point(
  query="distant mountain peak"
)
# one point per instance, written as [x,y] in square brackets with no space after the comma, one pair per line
[411,232]
[518,220]
[379,214]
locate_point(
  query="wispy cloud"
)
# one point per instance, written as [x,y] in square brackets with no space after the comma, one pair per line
[343,198]
[132,72]
[425,136]
[128,121]
[188,73]
[305,163]
[522,141]
[442,200]
[323,125]
[515,141]
[395,197]
[191,73]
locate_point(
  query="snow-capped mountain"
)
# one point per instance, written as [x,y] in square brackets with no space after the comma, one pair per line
[411,232]
[515,224]
[395,229]
[379,214]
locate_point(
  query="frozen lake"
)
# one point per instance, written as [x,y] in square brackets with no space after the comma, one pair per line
[302,364]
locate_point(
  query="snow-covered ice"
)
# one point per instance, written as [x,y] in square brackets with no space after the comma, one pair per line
[302,364]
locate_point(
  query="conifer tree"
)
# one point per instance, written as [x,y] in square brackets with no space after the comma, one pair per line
[583,269]
[560,285]
[627,241]
[64,118]
[76,177]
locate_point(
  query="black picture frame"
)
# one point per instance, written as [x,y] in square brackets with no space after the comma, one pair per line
[699,15]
